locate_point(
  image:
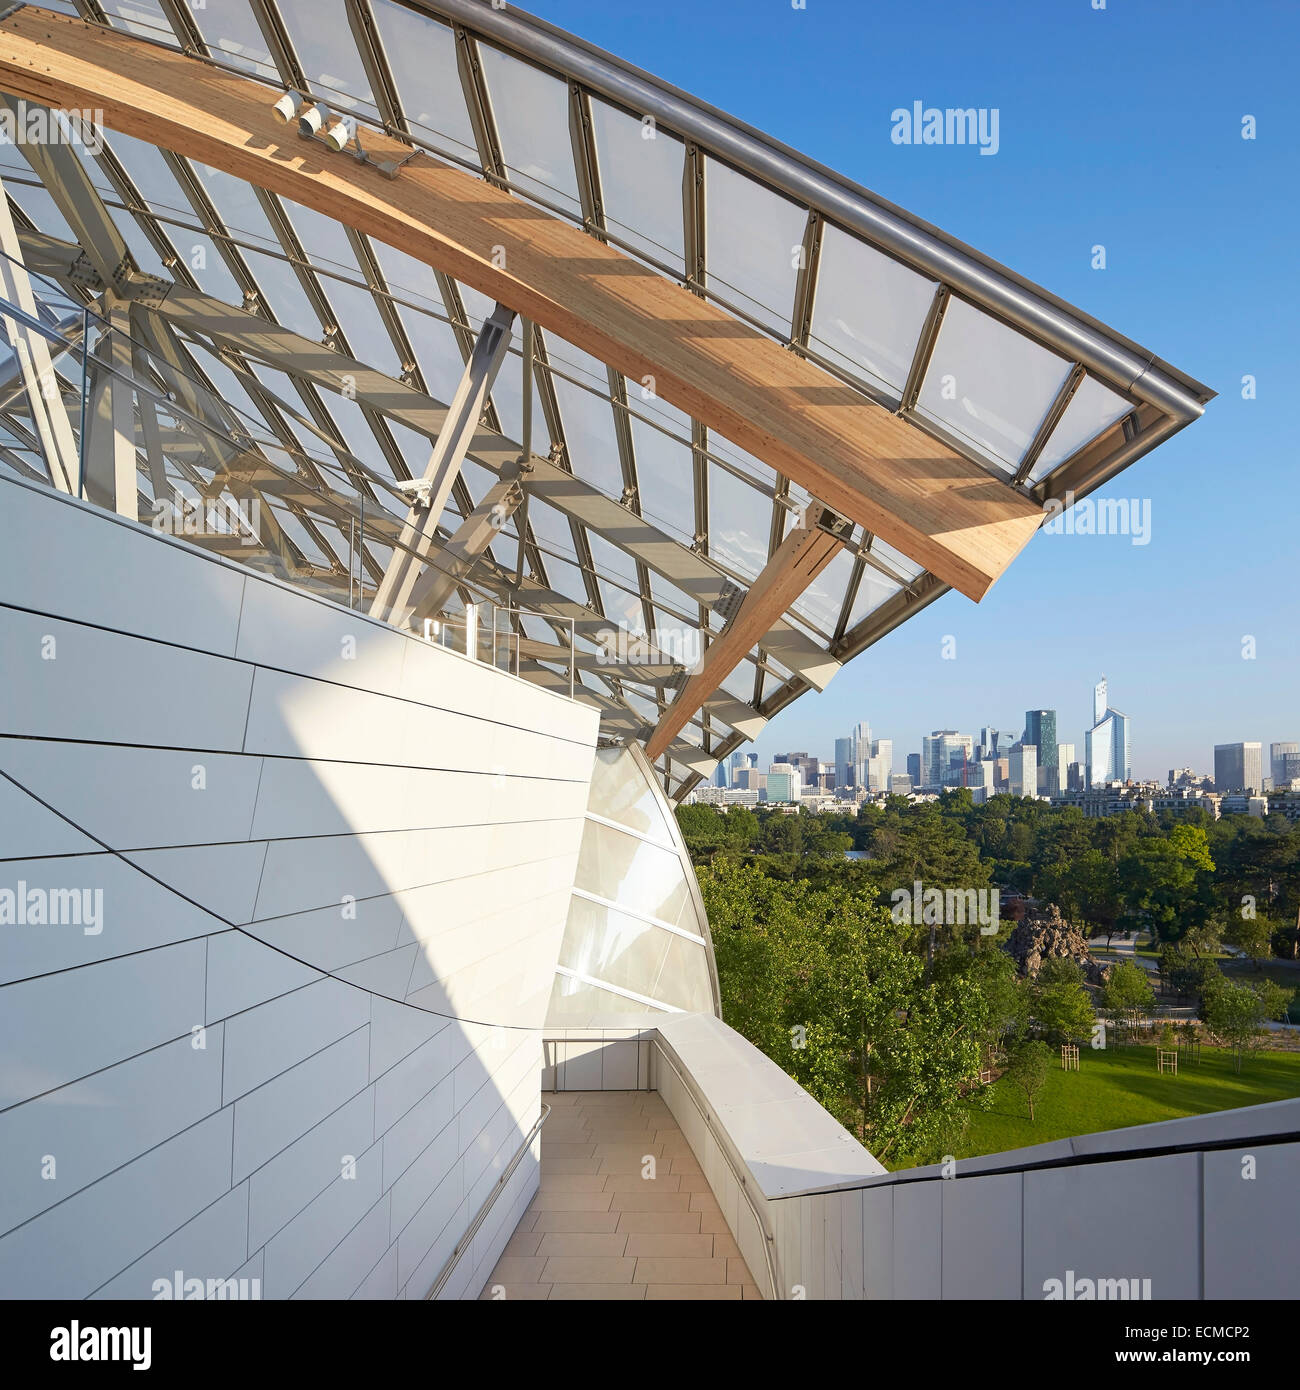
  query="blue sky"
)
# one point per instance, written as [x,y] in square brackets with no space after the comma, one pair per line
[1122,127]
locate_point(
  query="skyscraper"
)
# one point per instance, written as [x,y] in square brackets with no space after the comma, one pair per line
[914,768]
[861,736]
[1040,730]
[784,782]
[1277,755]
[882,764]
[1107,746]
[1023,769]
[844,762]
[1239,767]
[944,754]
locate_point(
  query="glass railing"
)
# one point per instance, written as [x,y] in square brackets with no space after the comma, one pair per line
[112,409]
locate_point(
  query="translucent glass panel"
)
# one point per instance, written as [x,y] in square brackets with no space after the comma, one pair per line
[1092,409]
[752,245]
[988,384]
[641,183]
[868,312]
[821,601]
[144,18]
[532,116]
[665,476]
[634,924]
[740,519]
[322,40]
[631,801]
[232,34]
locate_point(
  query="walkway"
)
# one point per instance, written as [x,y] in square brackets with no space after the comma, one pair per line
[607,1224]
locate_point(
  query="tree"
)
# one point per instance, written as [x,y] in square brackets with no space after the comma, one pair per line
[1253,936]
[1027,1070]
[1236,1013]
[1128,993]
[826,983]
[1062,1008]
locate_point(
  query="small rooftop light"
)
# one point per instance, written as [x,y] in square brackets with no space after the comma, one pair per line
[287,107]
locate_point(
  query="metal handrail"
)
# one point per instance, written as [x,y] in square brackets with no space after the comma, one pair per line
[498,1187]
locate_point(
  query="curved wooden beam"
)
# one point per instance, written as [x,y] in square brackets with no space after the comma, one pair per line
[940,509]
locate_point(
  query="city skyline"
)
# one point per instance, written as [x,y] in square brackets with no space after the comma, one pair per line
[1275,746]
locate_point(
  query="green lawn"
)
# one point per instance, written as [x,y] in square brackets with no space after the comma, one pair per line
[1112,1090]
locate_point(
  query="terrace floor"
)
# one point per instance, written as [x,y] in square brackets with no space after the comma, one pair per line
[606,1224]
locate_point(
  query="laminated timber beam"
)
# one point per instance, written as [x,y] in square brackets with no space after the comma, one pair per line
[940,509]
[797,561]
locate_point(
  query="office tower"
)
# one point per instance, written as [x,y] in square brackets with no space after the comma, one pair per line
[900,784]
[720,778]
[1040,730]
[944,757]
[1107,745]
[882,764]
[751,760]
[844,762]
[1238,767]
[1277,756]
[861,752]
[980,775]
[1023,769]
[914,768]
[784,782]
[1076,777]
[809,768]
[1290,770]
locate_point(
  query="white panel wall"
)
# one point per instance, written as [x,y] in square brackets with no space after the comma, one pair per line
[301,1041]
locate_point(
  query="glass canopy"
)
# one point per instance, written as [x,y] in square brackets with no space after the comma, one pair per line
[1048,403]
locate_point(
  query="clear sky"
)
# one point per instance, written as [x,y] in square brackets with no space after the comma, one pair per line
[1123,127]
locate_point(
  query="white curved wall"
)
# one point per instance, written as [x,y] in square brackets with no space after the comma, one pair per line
[335,866]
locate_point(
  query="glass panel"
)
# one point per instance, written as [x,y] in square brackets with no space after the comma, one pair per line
[641,182]
[589,436]
[753,239]
[613,947]
[575,1004]
[665,477]
[869,310]
[1092,408]
[322,40]
[285,297]
[232,33]
[873,590]
[822,600]
[988,384]
[740,518]
[532,115]
[421,55]
[142,17]
[684,979]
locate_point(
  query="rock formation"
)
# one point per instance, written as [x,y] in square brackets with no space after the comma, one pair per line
[1043,933]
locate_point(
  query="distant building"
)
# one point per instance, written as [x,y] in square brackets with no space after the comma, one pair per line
[1024,769]
[944,757]
[900,784]
[882,764]
[1107,745]
[844,762]
[1243,804]
[914,768]
[1239,767]
[784,782]
[1040,730]
[1278,753]
[1115,799]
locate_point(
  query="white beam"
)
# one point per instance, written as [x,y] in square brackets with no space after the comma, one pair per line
[393,597]
[49,416]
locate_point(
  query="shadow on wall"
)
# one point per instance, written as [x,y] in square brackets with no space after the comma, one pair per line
[281,894]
